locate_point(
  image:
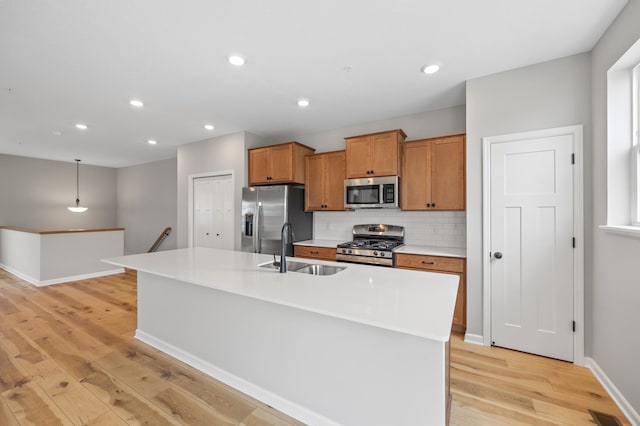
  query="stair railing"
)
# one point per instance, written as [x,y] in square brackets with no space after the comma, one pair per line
[164,234]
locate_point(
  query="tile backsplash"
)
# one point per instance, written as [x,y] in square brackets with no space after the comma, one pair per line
[440,229]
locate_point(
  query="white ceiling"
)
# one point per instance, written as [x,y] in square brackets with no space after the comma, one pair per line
[69,61]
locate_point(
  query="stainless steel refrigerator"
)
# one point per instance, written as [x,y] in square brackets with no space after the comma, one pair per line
[265,209]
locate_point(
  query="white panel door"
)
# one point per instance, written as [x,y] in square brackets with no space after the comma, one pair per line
[213,212]
[532,264]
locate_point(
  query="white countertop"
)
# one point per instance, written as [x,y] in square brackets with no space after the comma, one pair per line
[433,251]
[411,302]
[409,249]
[320,243]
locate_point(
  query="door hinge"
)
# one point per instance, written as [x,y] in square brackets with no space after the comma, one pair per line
[573,158]
[574,242]
[573,326]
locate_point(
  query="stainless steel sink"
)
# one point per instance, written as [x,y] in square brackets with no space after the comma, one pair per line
[306,268]
[291,265]
[315,269]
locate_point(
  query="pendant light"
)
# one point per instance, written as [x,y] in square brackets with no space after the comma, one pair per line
[77,208]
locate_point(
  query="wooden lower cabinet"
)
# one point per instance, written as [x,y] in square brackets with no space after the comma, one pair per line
[449,265]
[313,252]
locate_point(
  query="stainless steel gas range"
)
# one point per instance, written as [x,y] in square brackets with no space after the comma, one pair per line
[372,244]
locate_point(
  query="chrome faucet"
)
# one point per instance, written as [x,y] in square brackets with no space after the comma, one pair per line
[285,232]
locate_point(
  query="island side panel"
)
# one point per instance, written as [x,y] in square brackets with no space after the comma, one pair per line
[20,254]
[317,368]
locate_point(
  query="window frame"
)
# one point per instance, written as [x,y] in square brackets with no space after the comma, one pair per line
[635,147]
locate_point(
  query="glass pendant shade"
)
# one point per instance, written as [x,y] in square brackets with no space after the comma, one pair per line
[77,208]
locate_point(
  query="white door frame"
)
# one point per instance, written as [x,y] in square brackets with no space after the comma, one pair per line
[190,197]
[578,229]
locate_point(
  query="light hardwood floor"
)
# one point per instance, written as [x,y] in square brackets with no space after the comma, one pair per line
[68,357]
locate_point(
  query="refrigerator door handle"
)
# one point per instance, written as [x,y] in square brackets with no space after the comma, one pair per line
[256,228]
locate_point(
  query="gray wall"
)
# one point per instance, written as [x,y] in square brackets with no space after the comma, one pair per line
[546,95]
[35,193]
[615,339]
[428,124]
[147,199]
[223,153]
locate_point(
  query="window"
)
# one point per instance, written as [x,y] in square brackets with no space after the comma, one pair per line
[623,144]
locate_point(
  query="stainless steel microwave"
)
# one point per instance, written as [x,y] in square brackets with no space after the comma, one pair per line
[371,193]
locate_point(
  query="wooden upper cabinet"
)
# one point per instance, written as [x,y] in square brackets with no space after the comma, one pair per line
[314,170]
[376,154]
[324,181]
[433,174]
[415,185]
[259,165]
[282,163]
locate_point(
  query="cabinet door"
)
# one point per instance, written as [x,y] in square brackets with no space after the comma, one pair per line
[312,252]
[383,152]
[460,313]
[259,165]
[315,172]
[448,174]
[415,190]
[281,163]
[357,157]
[334,177]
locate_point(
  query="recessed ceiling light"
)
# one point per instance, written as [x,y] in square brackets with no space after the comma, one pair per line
[81,126]
[303,102]
[236,60]
[430,69]
[152,142]
[136,103]
[209,126]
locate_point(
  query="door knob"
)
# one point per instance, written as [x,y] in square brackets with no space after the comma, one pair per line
[497,255]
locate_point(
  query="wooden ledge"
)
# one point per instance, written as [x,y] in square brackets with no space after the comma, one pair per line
[59,231]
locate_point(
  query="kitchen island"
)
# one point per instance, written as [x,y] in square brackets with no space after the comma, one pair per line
[366,346]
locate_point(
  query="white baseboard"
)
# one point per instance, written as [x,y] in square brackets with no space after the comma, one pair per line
[39,283]
[612,390]
[476,339]
[19,274]
[284,405]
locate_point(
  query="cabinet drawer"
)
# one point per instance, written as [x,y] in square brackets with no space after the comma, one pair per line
[429,263]
[324,253]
